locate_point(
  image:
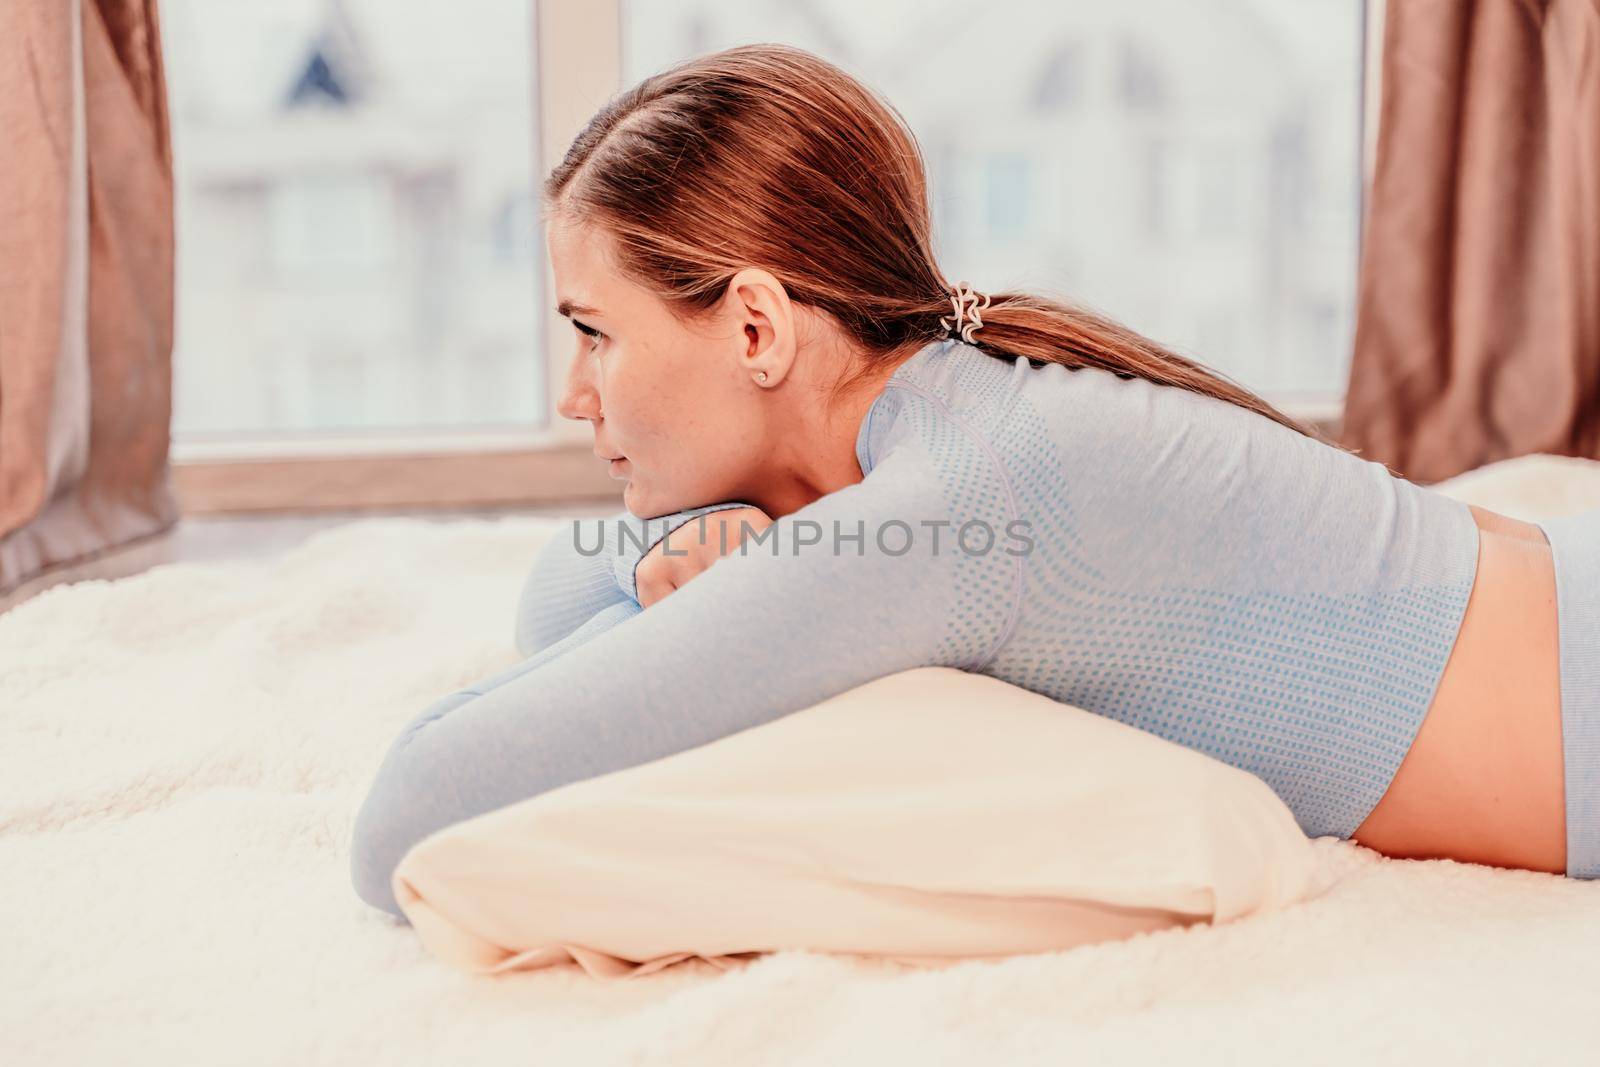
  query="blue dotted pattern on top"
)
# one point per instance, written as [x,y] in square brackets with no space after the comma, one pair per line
[1319,692]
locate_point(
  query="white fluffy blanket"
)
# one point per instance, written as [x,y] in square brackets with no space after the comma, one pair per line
[182,751]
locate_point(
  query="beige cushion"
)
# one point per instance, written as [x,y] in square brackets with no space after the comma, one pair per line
[925,816]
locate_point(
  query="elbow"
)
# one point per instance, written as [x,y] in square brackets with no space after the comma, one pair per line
[524,636]
[376,848]
[529,601]
[395,815]
[401,808]
[534,628]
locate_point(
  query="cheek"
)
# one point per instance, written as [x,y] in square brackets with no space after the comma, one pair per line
[648,407]
[684,437]
[638,425]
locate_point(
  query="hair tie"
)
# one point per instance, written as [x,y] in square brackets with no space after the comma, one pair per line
[966,304]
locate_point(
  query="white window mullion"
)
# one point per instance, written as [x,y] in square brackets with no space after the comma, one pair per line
[578,57]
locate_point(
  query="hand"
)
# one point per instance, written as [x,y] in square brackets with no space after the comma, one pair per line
[659,574]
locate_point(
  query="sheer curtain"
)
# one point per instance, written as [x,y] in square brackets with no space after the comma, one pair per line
[86,250]
[1478,312]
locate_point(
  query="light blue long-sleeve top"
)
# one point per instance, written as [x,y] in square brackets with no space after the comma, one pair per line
[1174,561]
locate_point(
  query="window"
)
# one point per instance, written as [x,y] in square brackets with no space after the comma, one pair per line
[1059,85]
[360,271]
[339,225]
[1217,181]
[1141,81]
[1212,153]
[1156,177]
[1009,195]
[355,238]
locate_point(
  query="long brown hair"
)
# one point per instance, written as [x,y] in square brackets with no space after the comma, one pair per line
[768,155]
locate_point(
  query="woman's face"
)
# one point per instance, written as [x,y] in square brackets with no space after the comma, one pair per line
[678,403]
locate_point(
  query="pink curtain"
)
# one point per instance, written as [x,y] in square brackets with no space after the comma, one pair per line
[85,282]
[1478,315]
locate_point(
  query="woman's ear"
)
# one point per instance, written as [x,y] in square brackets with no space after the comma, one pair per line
[764,321]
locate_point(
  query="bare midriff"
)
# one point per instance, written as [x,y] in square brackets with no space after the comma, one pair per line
[1484,782]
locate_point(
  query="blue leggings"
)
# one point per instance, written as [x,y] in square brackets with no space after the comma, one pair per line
[1575,543]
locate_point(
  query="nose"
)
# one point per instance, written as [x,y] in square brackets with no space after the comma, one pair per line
[580,399]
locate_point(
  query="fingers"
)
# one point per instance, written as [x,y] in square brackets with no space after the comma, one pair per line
[659,585]
[706,541]
[660,575]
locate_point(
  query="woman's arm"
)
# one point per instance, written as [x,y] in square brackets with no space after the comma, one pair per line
[758,634]
[581,571]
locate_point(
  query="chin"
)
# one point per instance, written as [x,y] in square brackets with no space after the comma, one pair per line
[631,498]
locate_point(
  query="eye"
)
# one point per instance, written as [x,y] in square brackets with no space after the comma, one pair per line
[587,330]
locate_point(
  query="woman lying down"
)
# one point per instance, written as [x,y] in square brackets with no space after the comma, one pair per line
[871,470]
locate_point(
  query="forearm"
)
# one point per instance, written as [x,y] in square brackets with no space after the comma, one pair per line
[585,567]
[571,581]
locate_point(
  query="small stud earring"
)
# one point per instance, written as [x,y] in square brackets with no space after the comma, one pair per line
[761,376]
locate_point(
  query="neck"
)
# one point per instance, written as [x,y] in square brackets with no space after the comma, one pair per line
[814,451]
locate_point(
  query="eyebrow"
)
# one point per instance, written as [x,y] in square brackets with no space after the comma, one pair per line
[567,307]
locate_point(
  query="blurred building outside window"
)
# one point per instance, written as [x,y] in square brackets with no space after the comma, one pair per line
[357,236]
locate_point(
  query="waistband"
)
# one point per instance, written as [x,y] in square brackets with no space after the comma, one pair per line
[1575,544]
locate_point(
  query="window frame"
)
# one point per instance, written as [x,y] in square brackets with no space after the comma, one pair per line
[577,50]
